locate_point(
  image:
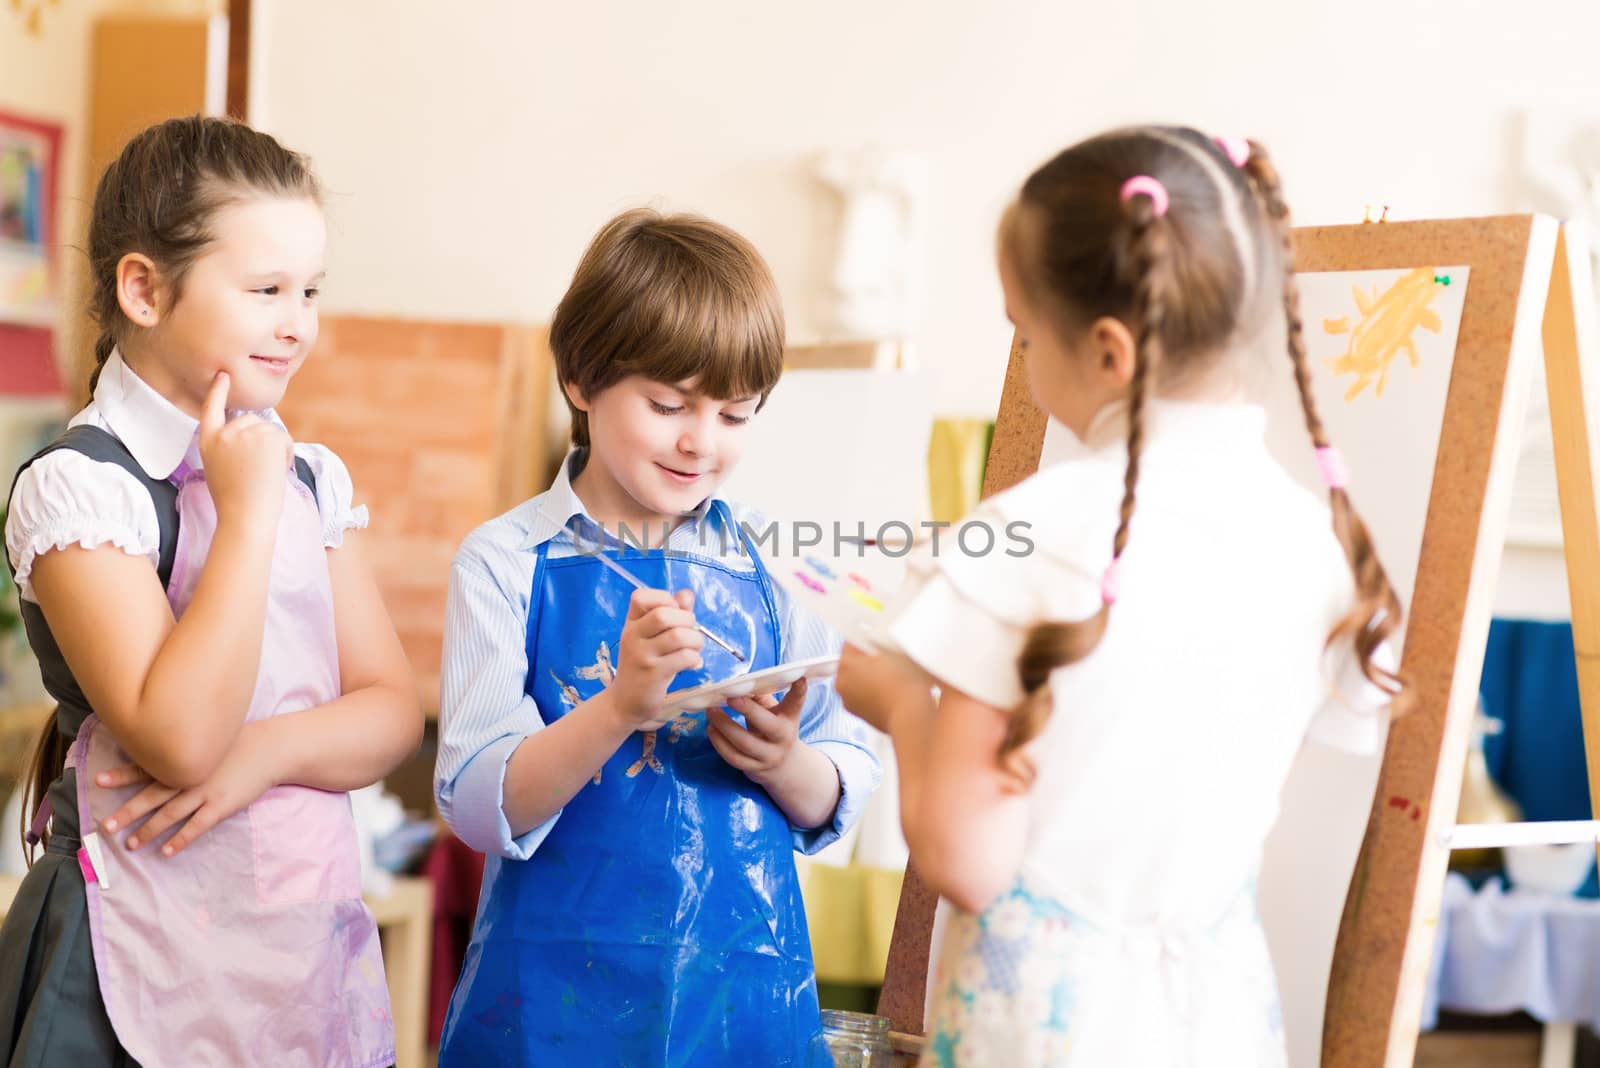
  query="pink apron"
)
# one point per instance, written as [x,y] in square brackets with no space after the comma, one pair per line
[252,946]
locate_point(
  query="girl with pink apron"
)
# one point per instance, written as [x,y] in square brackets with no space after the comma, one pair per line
[251,946]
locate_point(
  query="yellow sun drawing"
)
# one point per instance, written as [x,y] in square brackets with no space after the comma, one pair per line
[32,11]
[1385,329]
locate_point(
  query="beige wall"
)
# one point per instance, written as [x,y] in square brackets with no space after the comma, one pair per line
[472,149]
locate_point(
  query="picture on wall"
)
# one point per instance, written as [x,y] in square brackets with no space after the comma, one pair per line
[29,168]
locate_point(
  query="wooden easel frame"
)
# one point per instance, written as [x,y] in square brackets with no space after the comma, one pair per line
[1529,282]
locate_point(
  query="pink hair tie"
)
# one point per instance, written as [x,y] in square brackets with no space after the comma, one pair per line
[1143,183]
[1237,148]
[1111,581]
[1331,463]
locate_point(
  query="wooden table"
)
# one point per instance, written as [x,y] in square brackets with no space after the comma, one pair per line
[405,927]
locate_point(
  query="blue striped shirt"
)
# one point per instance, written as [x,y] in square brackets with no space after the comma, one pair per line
[484,714]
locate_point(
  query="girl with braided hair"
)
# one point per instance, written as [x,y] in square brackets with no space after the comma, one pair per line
[1118,710]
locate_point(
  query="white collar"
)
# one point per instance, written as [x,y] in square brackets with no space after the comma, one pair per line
[155,430]
[159,434]
[1207,420]
[556,507]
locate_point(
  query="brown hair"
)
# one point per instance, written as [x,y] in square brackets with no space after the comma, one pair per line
[158,198]
[1186,282]
[160,195]
[44,763]
[673,298]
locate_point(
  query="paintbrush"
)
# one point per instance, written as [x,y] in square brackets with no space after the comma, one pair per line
[638,585]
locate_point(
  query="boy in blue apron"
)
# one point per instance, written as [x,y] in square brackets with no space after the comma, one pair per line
[640,905]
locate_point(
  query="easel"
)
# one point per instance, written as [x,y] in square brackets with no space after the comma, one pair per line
[1528,282]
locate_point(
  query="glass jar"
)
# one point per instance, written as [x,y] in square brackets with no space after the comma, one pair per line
[857,1039]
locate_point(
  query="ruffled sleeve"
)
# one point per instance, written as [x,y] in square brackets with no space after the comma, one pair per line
[335,494]
[969,604]
[66,498]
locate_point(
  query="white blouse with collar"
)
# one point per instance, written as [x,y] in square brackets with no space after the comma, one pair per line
[66,498]
[1160,769]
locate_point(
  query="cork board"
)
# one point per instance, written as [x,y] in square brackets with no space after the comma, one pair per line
[1381,958]
[1384,942]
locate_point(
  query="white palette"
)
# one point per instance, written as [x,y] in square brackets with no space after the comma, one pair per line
[767,680]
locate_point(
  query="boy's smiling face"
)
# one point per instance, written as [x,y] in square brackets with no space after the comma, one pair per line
[656,450]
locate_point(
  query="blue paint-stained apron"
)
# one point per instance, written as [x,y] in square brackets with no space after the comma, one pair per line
[660,923]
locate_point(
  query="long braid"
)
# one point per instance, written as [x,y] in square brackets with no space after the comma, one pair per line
[1376,614]
[1149,247]
[1052,645]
